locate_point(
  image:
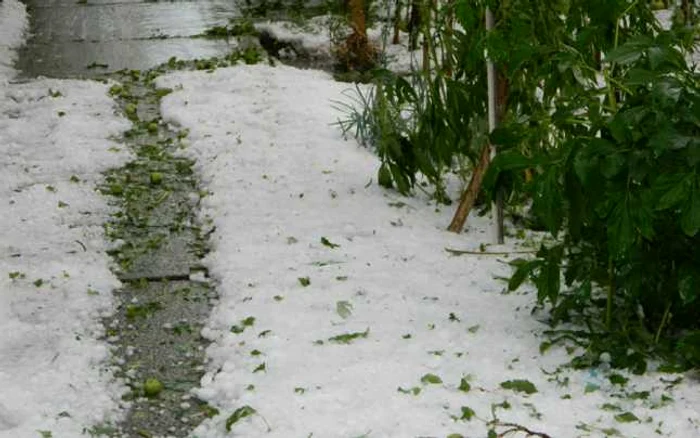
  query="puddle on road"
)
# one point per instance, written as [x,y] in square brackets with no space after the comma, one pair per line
[75,40]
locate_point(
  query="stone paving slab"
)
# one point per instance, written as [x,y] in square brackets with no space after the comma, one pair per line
[173,259]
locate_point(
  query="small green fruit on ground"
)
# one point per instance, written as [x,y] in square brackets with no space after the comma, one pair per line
[152,387]
[156,177]
[116,189]
[130,109]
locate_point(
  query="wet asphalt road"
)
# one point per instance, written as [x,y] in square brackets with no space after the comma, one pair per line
[78,39]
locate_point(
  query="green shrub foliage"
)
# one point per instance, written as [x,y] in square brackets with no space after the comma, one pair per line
[614,142]
[600,106]
[623,191]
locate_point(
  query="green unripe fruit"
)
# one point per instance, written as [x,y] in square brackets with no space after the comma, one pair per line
[130,109]
[152,387]
[116,189]
[156,177]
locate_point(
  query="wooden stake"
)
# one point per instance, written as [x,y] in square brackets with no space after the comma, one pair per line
[469,196]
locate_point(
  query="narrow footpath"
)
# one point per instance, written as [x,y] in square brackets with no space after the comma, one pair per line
[165,297]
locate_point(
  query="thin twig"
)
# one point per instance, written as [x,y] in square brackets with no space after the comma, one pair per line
[518,428]
[459,252]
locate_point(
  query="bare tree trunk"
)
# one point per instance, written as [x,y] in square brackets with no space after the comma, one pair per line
[427,16]
[414,24]
[687,10]
[360,54]
[357,17]
[397,23]
[502,88]
[469,196]
[449,25]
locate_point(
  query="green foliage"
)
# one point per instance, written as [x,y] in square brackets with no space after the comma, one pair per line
[16,275]
[612,145]
[623,192]
[414,391]
[618,379]
[236,28]
[240,328]
[328,243]
[464,385]
[415,127]
[239,414]
[467,413]
[519,385]
[348,338]
[431,379]
[626,417]
[598,106]
[134,311]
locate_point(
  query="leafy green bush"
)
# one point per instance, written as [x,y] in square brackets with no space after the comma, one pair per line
[624,194]
[599,132]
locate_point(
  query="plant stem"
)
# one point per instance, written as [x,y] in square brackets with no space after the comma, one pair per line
[611,89]
[611,292]
[664,319]
[458,252]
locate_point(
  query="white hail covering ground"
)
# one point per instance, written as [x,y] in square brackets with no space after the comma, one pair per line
[54,277]
[281,180]
[13,23]
[315,38]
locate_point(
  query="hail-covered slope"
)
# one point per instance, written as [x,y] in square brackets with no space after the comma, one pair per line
[341,314]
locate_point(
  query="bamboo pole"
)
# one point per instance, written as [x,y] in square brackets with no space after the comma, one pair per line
[497,208]
[469,196]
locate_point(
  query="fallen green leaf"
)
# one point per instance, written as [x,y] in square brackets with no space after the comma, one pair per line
[431,379]
[347,338]
[519,385]
[626,417]
[464,386]
[328,243]
[344,309]
[239,414]
[467,413]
